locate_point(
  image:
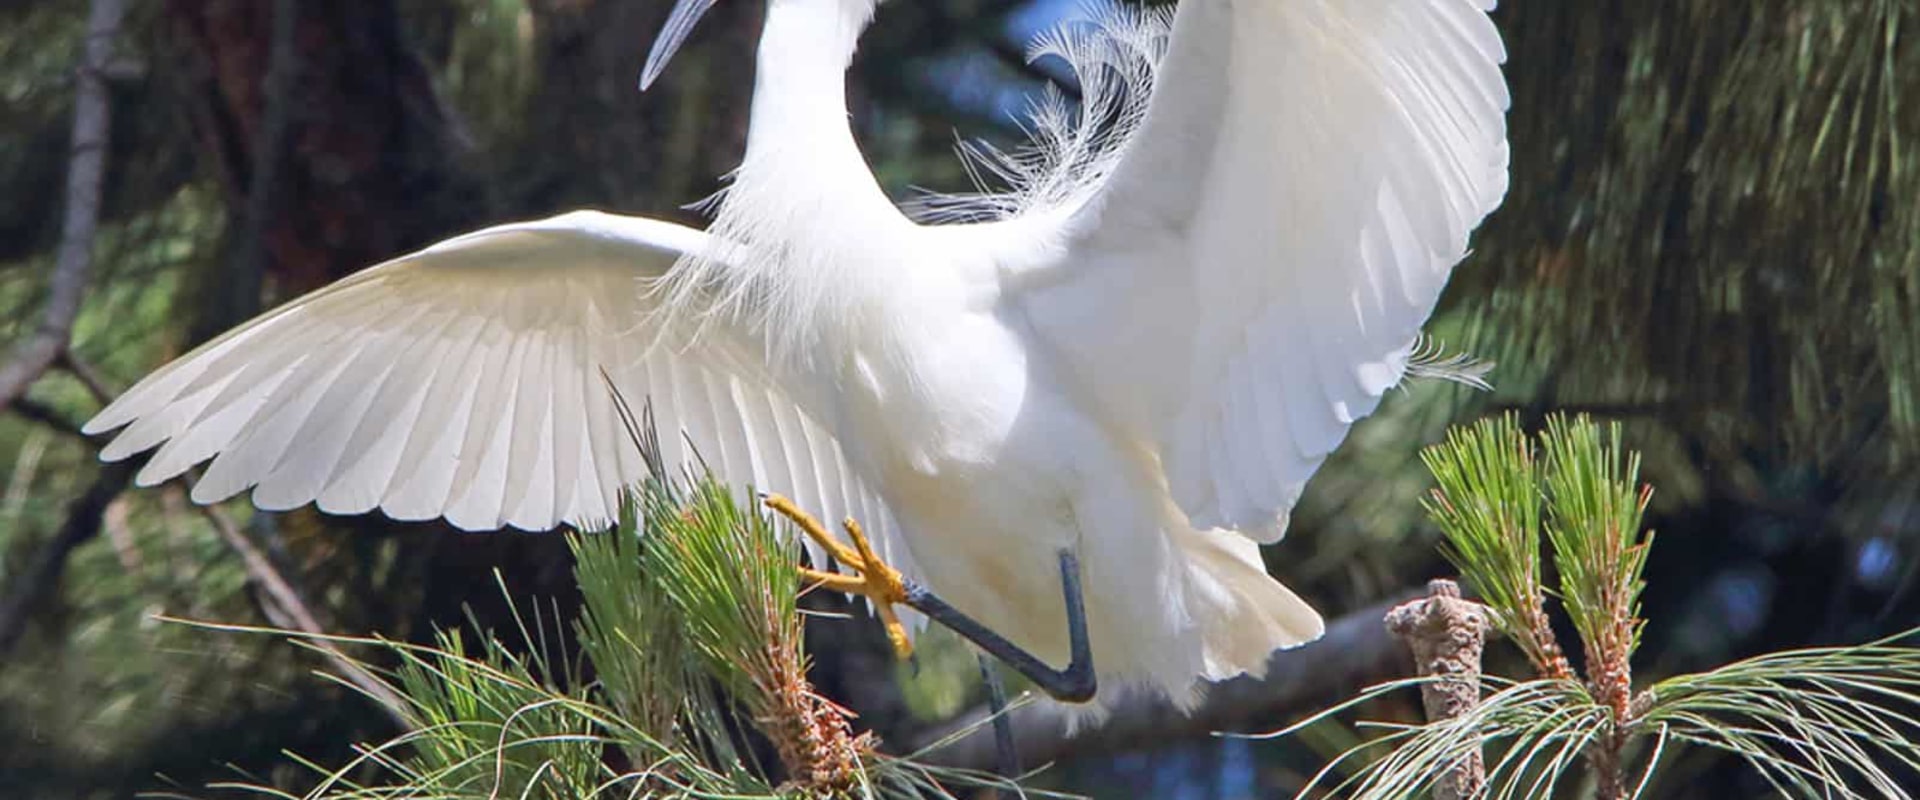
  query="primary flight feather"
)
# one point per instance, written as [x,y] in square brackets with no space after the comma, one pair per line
[1135,356]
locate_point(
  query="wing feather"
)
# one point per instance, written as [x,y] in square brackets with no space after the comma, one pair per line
[466,382]
[728,428]
[341,400]
[569,421]
[424,479]
[530,462]
[376,445]
[479,476]
[1285,214]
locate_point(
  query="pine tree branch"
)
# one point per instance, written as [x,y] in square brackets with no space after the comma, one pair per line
[1355,652]
[88,376]
[86,168]
[36,411]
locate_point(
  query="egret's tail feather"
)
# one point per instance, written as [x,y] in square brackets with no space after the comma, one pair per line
[1245,613]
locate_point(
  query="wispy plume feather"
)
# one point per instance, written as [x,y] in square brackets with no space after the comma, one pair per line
[1114,54]
[1428,358]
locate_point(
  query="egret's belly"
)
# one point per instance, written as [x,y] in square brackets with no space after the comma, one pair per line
[992,467]
[987,539]
[984,464]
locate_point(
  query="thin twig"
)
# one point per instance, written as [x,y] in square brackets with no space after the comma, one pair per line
[36,411]
[86,168]
[286,608]
[1447,634]
[279,601]
[88,376]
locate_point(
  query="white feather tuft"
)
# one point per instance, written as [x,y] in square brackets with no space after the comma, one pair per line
[1427,357]
[1114,55]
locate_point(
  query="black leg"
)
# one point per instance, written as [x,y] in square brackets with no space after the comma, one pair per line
[1075,684]
[1006,757]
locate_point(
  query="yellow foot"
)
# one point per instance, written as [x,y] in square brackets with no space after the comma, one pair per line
[872,578]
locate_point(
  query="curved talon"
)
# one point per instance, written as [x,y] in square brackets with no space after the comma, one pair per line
[873,579]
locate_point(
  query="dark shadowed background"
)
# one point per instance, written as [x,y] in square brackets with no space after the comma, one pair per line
[1711,236]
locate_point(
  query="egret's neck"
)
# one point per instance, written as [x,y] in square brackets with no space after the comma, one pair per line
[820,256]
[799,142]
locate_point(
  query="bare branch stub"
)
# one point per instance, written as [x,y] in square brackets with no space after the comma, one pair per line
[1447,634]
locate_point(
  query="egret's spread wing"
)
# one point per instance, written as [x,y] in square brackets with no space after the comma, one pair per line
[1253,273]
[464,381]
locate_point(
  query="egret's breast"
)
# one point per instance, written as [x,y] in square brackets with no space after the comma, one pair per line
[945,397]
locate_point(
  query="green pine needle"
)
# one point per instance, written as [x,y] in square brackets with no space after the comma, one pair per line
[1539,728]
[628,633]
[488,721]
[1488,508]
[730,576]
[1821,723]
[1595,505]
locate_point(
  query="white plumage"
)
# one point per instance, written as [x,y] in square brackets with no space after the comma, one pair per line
[1141,352]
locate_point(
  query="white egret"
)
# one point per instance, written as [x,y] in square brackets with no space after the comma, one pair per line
[1111,383]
